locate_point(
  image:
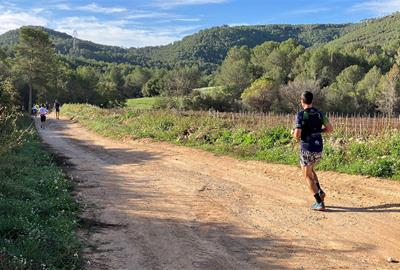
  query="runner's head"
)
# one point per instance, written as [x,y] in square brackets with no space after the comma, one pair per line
[307,99]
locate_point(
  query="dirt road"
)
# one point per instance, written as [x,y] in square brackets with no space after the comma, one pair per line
[151,205]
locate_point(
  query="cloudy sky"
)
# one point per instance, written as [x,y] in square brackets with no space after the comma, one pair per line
[138,23]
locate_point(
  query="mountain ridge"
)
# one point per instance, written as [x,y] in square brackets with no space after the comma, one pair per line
[208,47]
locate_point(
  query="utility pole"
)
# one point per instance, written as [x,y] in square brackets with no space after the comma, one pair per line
[75,44]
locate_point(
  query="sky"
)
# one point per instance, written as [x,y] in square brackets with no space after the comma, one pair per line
[139,23]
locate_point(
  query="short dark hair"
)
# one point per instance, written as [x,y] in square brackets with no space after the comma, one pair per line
[307,97]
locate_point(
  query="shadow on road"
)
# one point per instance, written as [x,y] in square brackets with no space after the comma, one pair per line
[383,208]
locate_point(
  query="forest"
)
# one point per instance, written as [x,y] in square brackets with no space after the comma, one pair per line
[349,67]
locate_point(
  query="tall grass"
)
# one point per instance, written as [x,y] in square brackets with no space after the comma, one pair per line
[37,212]
[374,155]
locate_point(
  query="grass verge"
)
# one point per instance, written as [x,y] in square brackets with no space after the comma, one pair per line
[38,216]
[377,156]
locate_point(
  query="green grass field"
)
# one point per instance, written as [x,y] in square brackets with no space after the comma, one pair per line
[146,103]
[38,215]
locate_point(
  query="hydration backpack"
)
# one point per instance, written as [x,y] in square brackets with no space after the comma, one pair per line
[311,122]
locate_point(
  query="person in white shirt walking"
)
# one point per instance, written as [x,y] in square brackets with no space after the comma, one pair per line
[43,112]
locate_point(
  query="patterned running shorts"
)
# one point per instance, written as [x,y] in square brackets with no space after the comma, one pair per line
[308,158]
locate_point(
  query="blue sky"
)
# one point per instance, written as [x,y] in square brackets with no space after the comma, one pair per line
[140,23]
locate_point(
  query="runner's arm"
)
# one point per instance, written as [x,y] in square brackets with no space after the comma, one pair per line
[296,132]
[327,126]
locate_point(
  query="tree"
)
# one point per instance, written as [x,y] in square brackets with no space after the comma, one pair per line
[136,80]
[5,70]
[388,101]
[280,62]
[261,95]
[35,56]
[10,134]
[368,90]
[291,93]
[235,71]
[88,79]
[181,81]
[342,95]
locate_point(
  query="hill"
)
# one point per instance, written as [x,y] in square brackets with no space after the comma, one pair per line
[207,47]
[381,31]
[211,45]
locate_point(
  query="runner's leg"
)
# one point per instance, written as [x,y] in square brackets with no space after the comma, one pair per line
[309,177]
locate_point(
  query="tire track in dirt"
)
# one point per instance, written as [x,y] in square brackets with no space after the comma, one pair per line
[152,205]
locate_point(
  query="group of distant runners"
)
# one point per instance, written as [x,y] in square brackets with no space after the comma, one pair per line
[43,110]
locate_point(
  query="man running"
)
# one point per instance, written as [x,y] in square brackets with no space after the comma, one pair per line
[43,111]
[57,107]
[310,123]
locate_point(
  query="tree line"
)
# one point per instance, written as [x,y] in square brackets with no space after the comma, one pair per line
[268,77]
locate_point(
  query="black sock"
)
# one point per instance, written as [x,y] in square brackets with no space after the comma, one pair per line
[319,188]
[317,198]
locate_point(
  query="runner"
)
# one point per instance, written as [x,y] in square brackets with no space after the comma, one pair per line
[34,110]
[57,107]
[43,111]
[310,123]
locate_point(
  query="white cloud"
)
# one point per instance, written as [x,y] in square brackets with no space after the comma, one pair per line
[381,7]
[117,33]
[150,15]
[175,3]
[166,17]
[307,11]
[11,20]
[93,7]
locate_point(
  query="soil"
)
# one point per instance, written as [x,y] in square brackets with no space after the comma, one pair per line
[154,205]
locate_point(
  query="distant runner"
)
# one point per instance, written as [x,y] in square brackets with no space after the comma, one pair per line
[57,107]
[43,111]
[310,123]
[34,110]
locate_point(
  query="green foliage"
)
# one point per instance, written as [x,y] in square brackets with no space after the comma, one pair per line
[261,95]
[215,98]
[206,48]
[368,89]
[10,133]
[247,53]
[382,31]
[344,90]
[37,212]
[277,62]
[35,60]
[135,82]
[375,156]
[181,81]
[389,97]
[235,71]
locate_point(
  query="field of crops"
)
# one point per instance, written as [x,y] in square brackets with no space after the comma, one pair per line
[347,125]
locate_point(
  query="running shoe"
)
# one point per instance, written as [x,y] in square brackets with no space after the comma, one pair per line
[318,206]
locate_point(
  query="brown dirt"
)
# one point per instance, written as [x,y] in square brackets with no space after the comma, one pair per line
[153,205]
